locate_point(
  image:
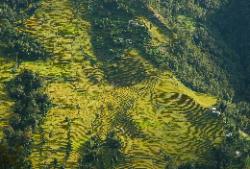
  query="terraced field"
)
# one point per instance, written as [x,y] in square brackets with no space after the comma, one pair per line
[155,117]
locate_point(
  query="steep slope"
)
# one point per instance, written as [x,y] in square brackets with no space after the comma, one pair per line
[154,117]
[234,28]
[197,49]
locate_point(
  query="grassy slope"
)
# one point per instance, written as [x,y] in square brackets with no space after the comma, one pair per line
[5,103]
[172,118]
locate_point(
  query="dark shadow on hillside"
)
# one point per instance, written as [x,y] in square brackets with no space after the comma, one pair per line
[14,43]
[233,26]
[115,32]
[99,154]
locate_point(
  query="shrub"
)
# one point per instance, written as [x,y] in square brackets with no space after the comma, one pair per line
[16,44]
[97,153]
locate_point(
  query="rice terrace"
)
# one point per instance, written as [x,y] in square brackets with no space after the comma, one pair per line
[124,84]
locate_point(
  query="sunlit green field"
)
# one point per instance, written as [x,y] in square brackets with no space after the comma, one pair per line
[157,116]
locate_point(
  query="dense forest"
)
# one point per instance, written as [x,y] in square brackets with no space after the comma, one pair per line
[205,44]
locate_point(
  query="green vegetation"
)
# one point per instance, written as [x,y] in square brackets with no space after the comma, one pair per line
[111,67]
[29,108]
[195,49]
[101,154]
[115,30]
[14,43]
[31,104]
[235,31]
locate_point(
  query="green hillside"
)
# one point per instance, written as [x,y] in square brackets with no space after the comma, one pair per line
[103,84]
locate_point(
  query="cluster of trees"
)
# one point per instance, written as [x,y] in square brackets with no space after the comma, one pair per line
[216,54]
[214,58]
[234,150]
[99,154]
[31,105]
[54,165]
[234,24]
[200,53]
[222,35]
[18,9]
[115,27]
[14,43]
[116,30]
[239,113]
[232,153]
[30,102]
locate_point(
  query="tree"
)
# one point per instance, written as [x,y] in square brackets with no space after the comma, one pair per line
[16,44]
[29,108]
[97,153]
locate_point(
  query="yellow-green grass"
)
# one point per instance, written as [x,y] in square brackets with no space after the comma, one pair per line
[157,35]
[244,135]
[6,73]
[186,23]
[158,16]
[169,117]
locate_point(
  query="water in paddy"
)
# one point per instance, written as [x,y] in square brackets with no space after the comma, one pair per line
[152,113]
